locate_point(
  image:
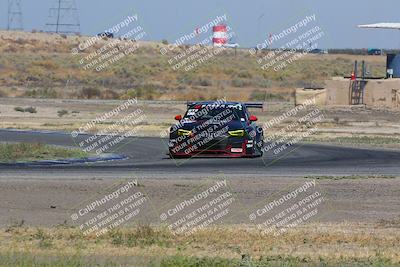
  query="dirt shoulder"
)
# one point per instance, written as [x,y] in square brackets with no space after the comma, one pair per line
[50,202]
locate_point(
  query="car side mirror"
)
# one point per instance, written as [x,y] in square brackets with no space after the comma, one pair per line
[253,118]
[178,117]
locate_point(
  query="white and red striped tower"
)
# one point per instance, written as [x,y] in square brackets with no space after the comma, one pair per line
[220,35]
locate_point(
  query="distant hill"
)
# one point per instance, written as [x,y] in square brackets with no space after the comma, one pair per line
[48,65]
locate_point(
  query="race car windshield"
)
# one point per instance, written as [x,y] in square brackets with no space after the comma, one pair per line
[219,113]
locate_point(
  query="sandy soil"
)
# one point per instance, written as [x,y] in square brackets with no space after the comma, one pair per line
[49,202]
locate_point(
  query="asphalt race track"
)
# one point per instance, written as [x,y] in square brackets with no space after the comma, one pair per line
[147,157]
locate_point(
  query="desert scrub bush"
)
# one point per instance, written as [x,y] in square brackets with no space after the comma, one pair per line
[257,96]
[264,96]
[20,41]
[19,109]
[62,112]
[146,92]
[41,93]
[90,92]
[204,81]
[47,64]
[45,240]
[245,74]
[140,235]
[229,71]
[186,78]
[14,226]
[336,120]
[262,83]
[110,94]
[241,83]
[2,93]
[28,109]
[276,97]
[36,72]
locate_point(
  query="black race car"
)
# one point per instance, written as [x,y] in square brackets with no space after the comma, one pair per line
[216,128]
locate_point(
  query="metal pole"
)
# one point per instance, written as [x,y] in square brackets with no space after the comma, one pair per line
[8,17]
[58,15]
[363,69]
[362,86]
[355,69]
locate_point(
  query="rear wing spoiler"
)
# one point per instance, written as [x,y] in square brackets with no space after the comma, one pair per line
[254,105]
[259,105]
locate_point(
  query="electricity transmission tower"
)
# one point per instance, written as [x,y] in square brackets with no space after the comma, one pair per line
[14,15]
[63,17]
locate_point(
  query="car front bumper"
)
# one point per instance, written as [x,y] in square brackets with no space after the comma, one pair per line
[219,147]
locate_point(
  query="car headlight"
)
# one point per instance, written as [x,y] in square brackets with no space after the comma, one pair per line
[182,132]
[236,133]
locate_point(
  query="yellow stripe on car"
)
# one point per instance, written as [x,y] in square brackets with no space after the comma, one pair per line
[237,133]
[182,132]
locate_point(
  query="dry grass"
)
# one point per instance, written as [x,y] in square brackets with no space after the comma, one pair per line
[312,244]
[390,141]
[41,66]
[36,151]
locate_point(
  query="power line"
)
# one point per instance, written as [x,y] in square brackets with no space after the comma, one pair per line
[64,17]
[14,16]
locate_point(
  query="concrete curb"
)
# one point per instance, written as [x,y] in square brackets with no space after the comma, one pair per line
[101,158]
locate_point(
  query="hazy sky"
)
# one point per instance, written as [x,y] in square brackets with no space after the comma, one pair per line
[252,21]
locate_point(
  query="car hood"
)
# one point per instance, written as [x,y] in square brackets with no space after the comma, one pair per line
[232,125]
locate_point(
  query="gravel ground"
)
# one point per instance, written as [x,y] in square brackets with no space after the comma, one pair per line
[49,202]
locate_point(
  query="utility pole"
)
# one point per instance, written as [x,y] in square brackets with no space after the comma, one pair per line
[14,16]
[64,17]
[58,15]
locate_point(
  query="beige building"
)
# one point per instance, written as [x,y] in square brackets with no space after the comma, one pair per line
[377,93]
